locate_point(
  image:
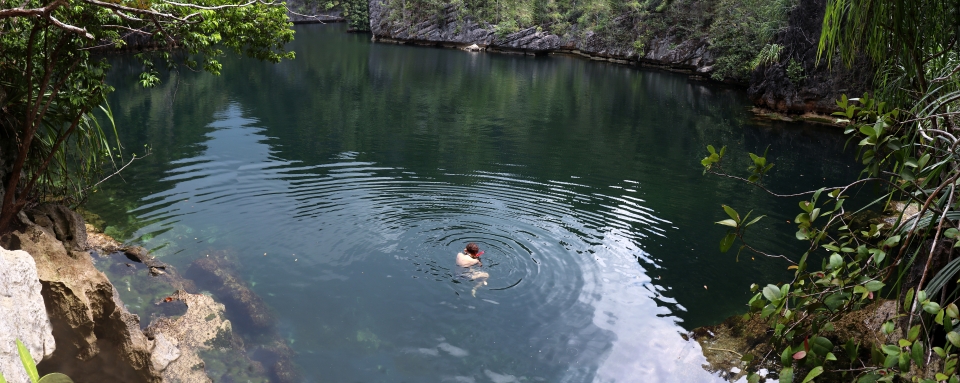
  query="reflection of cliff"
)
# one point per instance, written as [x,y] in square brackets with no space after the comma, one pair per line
[678,39]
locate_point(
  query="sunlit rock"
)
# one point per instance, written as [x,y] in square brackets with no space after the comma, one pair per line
[22,314]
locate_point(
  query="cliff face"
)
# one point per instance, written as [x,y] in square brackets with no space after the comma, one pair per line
[813,88]
[451,29]
[793,83]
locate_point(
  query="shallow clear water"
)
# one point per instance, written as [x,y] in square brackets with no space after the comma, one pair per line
[344,183]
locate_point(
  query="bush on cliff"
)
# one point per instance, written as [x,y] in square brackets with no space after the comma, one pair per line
[909,149]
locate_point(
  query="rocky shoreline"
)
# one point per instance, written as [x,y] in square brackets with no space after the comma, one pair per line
[191,336]
[770,88]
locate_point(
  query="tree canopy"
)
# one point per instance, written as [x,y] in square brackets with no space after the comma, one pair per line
[51,80]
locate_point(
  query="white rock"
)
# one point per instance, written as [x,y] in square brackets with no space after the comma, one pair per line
[164,351]
[23,315]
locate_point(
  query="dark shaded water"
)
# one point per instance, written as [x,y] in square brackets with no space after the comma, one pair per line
[345,181]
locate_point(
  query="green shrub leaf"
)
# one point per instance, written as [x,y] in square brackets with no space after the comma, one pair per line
[815,372]
[28,363]
[55,377]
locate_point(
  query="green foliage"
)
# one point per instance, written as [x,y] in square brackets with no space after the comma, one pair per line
[769,54]
[53,85]
[741,34]
[909,148]
[31,368]
[912,42]
[911,158]
[795,72]
[744,26]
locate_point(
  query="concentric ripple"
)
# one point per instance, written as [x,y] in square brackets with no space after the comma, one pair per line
[565,292]
[343,183]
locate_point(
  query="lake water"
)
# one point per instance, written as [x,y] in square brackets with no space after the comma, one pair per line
[344,183]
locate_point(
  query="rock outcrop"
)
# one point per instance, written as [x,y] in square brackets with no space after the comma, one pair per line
[796,84]
[178,341]
[23,315]
[98,340]
[816,86]
[450,29]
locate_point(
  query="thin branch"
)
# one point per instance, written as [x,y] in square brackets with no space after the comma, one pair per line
[25,12]
[70,28]
[195,6]
[115,173]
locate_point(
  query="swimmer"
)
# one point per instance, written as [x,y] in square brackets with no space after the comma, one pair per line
[471,257]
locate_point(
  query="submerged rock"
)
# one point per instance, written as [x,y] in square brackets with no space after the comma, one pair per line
[217,274]
[23,315]
[178,341]
[725,344]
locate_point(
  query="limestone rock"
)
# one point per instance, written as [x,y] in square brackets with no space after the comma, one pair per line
[164,351]
[98,340]
[689,55]
[23,315]
[819,85]
[104,244]
[202,327]
[66,225]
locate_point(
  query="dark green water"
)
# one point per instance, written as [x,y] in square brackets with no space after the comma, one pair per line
[361,169]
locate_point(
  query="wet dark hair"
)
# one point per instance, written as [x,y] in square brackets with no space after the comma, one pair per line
[472,248]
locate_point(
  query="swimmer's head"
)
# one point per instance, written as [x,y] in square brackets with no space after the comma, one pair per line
[472,248]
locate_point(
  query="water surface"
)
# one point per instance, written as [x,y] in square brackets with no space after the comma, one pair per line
[344,183]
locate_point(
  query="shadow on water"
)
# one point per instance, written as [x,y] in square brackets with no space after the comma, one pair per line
[345,181]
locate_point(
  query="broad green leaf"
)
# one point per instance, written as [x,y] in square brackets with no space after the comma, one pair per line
[874,285]
[954,338]
[771,292]
[728,222]
[923,161]
[727,242]
[821,346]
[55,377]
[786,375]
[890,349]
[869,378]
[952,311]
[711,149]
[908,300]
[940,352]
[2,380]
[904,362]
[891,360]
[913,333]
[28,363]
[916,353]
[732,213]
[754,221]
[951,233]
[931,307]
[835,261]
[830,356]
[815,372]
